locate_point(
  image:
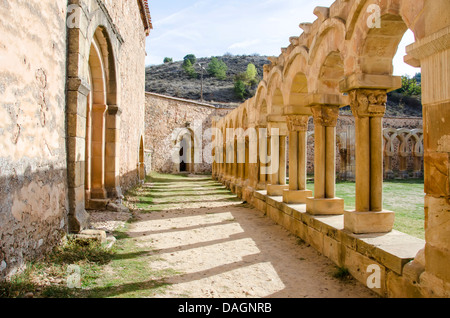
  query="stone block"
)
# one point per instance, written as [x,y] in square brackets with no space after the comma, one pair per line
[369,222]
[401,287]
[88,235]
[296,197]
[315,238]
[394,250]
[437,262]
[437,178]
[333,250]
[276,190]
[437,222]
[325,206]
[362,268]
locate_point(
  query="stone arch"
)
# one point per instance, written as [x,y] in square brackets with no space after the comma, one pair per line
[185,145]
[275,92]
[296,83]
[95,126]
[330,37]
[327,56]
[95,46]
[372,47]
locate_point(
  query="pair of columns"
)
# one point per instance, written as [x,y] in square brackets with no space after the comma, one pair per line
[368,107]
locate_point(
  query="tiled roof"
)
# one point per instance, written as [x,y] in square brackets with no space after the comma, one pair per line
[145,14]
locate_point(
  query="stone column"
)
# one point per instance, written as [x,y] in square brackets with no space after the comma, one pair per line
[368,107]
[263,155]
[112,174]
[98,190]
[324,201]
[278,177]
[298,129]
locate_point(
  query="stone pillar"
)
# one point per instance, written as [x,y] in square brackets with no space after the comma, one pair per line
[324,201]
[298,129]
[368,107]
[98,190]
[112,151]
[278,177]
[432,54]
[263,155]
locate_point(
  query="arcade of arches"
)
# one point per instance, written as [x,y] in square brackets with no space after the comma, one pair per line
[342,59]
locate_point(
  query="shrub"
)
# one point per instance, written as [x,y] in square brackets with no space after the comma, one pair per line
[251,74]
[411,86]
[218,68]
[191,58]
[240,89]
[189,69]
[168,60]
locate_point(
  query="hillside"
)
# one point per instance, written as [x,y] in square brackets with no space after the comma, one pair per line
[170,79]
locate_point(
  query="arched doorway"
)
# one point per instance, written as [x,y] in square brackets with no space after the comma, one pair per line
[185,143]
[95,126]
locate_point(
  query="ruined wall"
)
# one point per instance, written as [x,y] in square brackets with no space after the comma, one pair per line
[345,121]
[33,185]
[165,114]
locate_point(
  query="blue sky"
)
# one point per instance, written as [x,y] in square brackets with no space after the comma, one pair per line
[214,27]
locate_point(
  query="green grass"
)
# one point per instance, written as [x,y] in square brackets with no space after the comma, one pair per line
[404,197]
[176,191]
[129,274]
[48,278]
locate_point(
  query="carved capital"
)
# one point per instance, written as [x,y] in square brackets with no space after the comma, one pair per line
[325,115]
[297,123]
[368,102]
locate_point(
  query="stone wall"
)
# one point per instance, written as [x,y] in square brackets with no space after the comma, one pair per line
[33,184]
[44,67]
[163,116]
[131,67]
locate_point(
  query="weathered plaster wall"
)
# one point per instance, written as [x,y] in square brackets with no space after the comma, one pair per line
[33,186]
[35,178]
[165,114]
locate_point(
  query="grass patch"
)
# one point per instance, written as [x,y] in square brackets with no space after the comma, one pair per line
[48,278]
[342,273]
[404,197]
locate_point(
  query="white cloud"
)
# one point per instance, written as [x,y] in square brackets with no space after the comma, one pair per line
[244,44]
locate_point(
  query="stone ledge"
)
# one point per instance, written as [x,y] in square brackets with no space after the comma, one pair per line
[391,251]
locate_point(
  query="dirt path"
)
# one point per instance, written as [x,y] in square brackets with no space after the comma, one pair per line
[217,247]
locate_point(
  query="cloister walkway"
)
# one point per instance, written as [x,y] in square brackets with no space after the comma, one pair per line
[209,244]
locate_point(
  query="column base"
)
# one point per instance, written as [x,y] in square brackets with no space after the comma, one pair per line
[333,206]
[98,194]
[369,222]
[276,190]
[261,186]
[296,197]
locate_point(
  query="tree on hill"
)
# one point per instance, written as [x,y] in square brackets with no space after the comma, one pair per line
[168,60]
[245,83]
[191,58]
[251,73]
[189,68]
[411,86]
[217,68]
